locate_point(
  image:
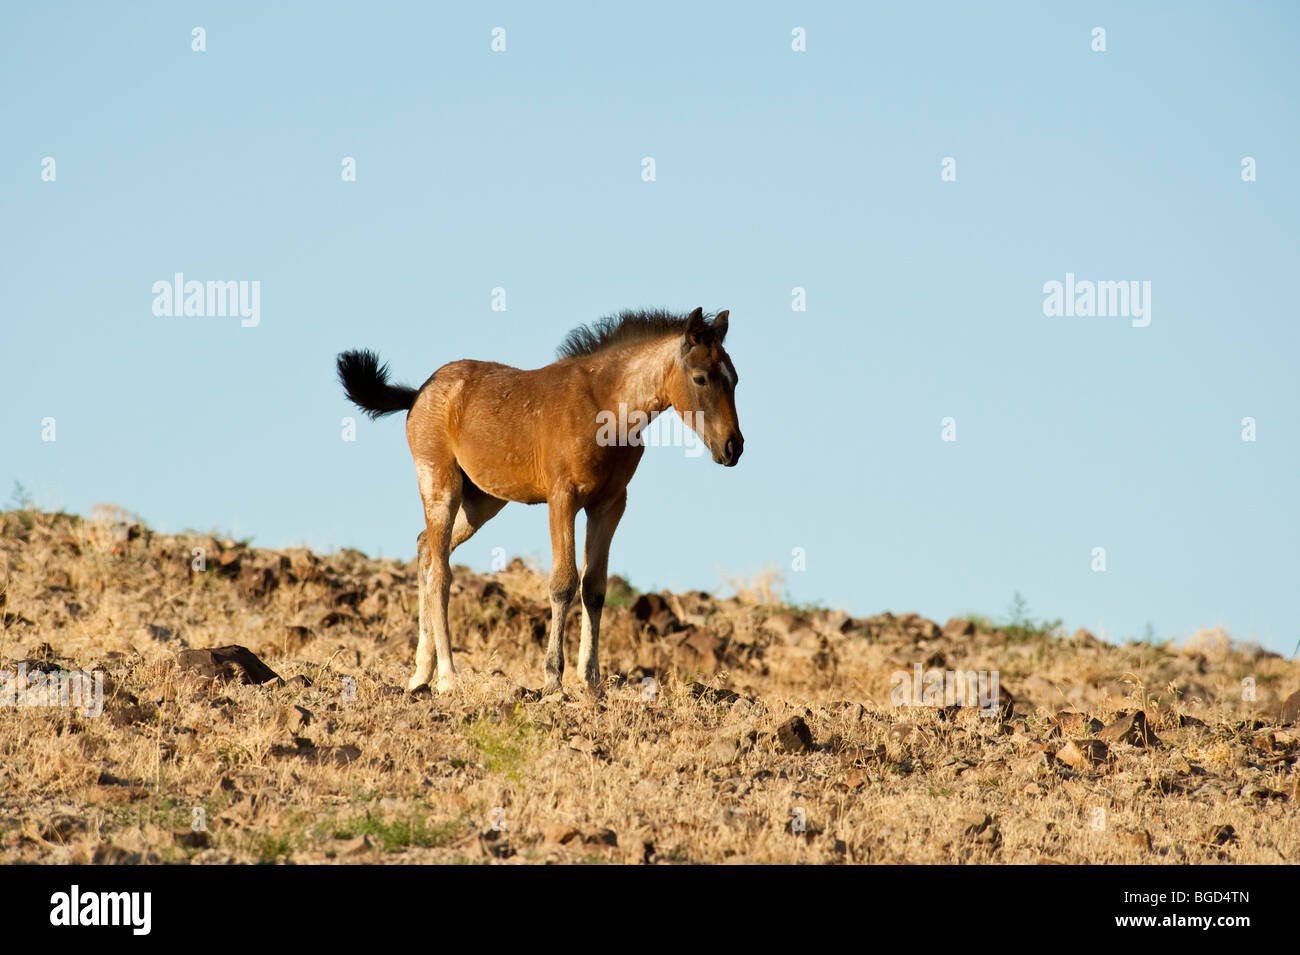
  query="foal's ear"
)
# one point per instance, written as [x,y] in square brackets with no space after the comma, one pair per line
[696,327]
[720,325]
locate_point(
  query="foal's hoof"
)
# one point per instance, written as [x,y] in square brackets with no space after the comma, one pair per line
[414,683]
[447,683]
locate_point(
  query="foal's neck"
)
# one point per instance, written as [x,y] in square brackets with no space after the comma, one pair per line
[640,376]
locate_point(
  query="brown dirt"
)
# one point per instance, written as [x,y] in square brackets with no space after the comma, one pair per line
[770,735]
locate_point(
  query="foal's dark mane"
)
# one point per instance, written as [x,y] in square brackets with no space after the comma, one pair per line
[626,326]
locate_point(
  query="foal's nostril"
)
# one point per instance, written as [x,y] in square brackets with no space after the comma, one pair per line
[732,450]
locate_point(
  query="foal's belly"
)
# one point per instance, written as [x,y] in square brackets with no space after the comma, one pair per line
[499,483]
[502,464]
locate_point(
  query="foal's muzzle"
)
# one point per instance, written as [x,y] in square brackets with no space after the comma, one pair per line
[731,453]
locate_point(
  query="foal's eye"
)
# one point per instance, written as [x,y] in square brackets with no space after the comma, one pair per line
[701,380]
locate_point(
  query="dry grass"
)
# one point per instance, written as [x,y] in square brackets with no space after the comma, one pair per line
[351,768]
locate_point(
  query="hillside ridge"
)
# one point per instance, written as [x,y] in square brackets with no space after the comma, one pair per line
[730,729]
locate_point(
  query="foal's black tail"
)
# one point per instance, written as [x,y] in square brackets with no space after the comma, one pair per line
[365,382]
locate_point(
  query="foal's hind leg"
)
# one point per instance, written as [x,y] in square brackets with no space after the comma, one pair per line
[440,489]
[424,650]
[476,509]
[602,520]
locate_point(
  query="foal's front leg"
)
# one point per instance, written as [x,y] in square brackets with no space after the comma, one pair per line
[602,520]
[564,584]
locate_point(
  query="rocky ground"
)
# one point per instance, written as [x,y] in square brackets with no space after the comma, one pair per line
[732,730]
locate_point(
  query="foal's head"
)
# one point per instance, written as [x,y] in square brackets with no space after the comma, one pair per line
[704,393]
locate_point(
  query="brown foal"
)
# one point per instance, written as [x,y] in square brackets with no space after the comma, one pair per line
[484,434]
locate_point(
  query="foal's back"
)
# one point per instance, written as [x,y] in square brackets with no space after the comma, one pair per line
[508,428]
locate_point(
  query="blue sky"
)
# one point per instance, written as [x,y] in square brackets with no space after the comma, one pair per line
[775,169]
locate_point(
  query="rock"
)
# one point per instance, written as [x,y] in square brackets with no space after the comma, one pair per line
[1122,690]
[352,847]
[727,749]
[1140,840]
[795,736]
[321,755]
[1006,701]
[975,827]
[304,566]
[374,605]
[724,751]
[295,718]
[338,755]
[192,838]
[836,621]
[125,709]
[640,847]
[259,576]
[1073,723]
[1034,763]
[561,834]
[923,628]
[899,734]
[708,694]
[959,627]
[1265,742]
[1132,729]
[585,745]
[1221,835]
[1260,793]
[1041,690]
[106,853]
[936,661]
[600,837]
[787,628]
[705,648]
[494,844]
[1289,711]
[1083,754]
[227,663]
[349,597]
[654,611]
[1191,691]
[1084,638]
[61,827]
[1211,790]
[291,638]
